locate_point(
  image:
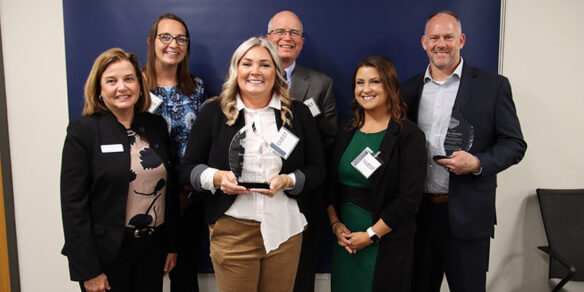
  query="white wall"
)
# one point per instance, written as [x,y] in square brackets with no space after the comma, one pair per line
[36,93]
[543,56]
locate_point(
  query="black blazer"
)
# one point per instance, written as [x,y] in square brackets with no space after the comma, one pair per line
[397,185]
[485,100]
[209,145]
[94,188]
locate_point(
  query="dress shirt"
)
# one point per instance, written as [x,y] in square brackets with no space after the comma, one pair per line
[279,215]
[288,72]
[434,114]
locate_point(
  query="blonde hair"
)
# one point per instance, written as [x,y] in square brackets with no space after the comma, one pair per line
[230,88]
[93,104]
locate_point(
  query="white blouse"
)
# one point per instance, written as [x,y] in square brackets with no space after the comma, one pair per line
[279,215]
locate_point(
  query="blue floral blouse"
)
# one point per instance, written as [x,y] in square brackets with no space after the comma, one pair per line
[180,111]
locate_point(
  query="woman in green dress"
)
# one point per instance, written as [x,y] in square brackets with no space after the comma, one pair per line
[377,178]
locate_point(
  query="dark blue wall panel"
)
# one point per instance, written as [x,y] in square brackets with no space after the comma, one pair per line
[338,35]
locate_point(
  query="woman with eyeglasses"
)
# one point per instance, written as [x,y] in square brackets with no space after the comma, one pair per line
[178,96]
[377,182]
[118,197]
[255,231]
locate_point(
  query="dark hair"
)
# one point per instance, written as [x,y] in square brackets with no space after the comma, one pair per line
[93,104]
[186,84]
[391,85]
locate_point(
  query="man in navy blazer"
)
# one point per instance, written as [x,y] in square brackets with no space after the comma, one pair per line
[457,216]
[315,89]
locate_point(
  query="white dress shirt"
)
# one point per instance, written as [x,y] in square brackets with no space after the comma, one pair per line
[279,215]
[433,119]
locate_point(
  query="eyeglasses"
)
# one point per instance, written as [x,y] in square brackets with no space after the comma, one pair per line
[166,38]
[294,33]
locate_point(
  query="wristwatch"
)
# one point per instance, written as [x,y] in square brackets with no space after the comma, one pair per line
[372,235]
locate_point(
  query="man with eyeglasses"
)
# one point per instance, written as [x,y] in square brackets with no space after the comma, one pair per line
[315,89]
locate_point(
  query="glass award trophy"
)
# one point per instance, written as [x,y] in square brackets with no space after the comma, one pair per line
[252,177]
[459,136]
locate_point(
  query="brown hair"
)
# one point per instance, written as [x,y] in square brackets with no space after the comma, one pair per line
[391,85]
[93,104]
[230,88]
[186,84]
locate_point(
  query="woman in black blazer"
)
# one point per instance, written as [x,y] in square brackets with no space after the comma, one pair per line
[117,191]
[255,233]
[377,183]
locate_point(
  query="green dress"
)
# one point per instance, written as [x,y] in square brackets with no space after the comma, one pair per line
[354,272]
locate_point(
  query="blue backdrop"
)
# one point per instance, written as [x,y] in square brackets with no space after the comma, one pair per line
[338,35]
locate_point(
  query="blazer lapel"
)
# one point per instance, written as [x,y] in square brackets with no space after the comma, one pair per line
[466,87]
[387,144]
[239,123]
[300,83]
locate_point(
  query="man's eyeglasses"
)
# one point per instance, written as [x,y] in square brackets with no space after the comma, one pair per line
[282,32]
[166,38]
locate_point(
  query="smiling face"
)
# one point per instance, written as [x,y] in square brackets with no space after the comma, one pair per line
[120,87]
[442,42]
[369,90]
[288,46]
[256,75]
[170,54]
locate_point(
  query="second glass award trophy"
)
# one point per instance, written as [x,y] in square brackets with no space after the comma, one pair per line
[459,136]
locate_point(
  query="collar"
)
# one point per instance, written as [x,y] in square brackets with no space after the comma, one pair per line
[275,103]
[457,72]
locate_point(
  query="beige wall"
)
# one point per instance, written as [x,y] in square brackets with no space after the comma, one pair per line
[542,56]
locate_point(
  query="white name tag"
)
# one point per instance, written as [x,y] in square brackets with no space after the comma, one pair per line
[314,110]
[111,148]
[156,101]
[366,163]
[284,143]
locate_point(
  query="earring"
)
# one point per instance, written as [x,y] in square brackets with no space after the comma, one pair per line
[140,93]
[100,98]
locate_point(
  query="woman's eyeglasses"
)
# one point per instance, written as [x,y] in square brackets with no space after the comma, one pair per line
[166,38]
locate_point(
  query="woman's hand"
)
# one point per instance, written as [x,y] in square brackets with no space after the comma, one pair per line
[279,182]
[97,284]
[170,262]
[358,240]
[228,183]
[341,231]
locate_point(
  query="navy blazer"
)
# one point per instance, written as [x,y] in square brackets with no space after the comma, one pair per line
[209,145]
[485,100]
[94,188]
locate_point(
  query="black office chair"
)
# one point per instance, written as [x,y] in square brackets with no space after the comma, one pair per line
[562,212]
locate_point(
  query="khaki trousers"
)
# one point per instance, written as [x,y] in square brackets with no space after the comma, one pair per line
[240,260]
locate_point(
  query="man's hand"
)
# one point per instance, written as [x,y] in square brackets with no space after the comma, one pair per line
[461,162]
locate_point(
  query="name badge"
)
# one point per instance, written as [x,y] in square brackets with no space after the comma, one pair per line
[284,143]
[156,101]
[367,163]
[314,110]
[111,148]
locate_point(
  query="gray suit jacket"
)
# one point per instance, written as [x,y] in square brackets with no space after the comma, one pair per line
[306,84]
